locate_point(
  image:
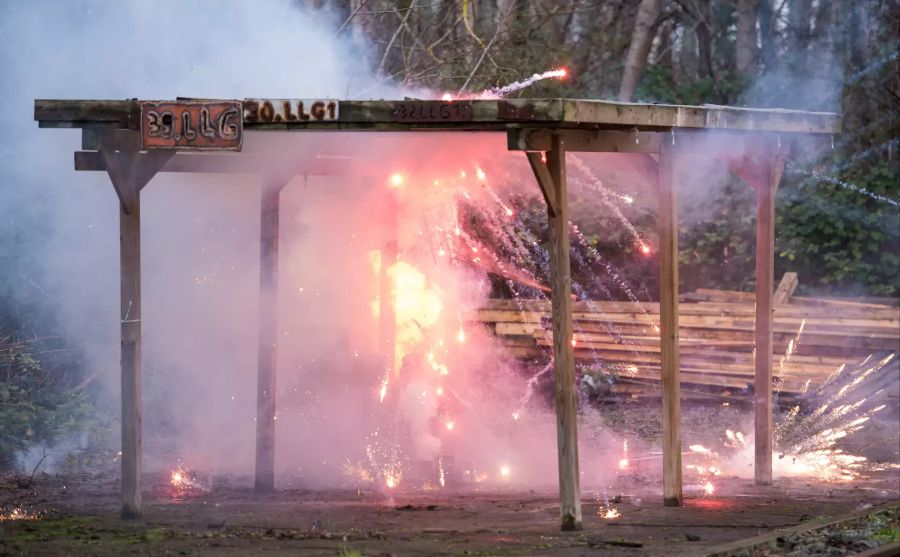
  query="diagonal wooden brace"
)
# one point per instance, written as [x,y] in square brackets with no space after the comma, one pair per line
[545,181]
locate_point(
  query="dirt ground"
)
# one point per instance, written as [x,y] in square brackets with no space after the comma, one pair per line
[79,517]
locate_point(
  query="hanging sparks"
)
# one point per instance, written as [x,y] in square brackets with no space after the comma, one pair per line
[391,481]
[461,335]
[645,249]
[382,391]
[709,488]
[623,462]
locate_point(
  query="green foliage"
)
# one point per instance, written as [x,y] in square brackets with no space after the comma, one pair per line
[37,403]
[842,240]
[719,251]
[658,85]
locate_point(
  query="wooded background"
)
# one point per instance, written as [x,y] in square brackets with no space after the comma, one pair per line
[823,55]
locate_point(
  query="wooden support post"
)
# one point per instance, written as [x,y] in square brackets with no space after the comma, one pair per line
[668,327]
[765,188]
[553,185]
[129,173]
[268,335]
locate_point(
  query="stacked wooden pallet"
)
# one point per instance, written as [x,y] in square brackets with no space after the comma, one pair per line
[812,336]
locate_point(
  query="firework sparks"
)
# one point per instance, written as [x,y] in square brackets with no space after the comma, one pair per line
[605,507]
[18,513]
[623,462]
[392,477]
[396,180]
[184,481]
[356,472]
[707,470]
[611,512]
[807,443]
[498,92]
[382,390]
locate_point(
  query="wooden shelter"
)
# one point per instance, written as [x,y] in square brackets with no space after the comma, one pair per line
[132,140]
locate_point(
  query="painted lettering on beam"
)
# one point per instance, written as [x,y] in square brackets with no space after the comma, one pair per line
[289,111]
[432,111]
[191,125]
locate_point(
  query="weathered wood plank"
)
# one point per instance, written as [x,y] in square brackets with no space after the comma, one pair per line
[786,288]
[545,182]
[765,277]
[563,351]
[599,141]
[487,114]
[668,324]
[128,176]
[264,480]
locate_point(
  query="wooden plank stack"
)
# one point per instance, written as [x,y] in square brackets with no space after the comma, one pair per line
[812,337]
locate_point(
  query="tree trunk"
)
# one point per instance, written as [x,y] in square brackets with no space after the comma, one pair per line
[746,36]
[767,34]
[704,41]
[641,39]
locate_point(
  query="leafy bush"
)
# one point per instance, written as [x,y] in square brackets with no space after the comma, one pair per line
[38,402]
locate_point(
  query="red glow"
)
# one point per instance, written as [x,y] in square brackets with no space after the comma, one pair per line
[709,503]
[645,249]
[447,97]
[564,72]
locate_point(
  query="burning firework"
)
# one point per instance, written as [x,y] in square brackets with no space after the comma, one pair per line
[623,462]
[392,476]
[499,92]
[807,443]
[606,509]
[610,512]
[185,481]
[706,466]
[18,513]
[357,473]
